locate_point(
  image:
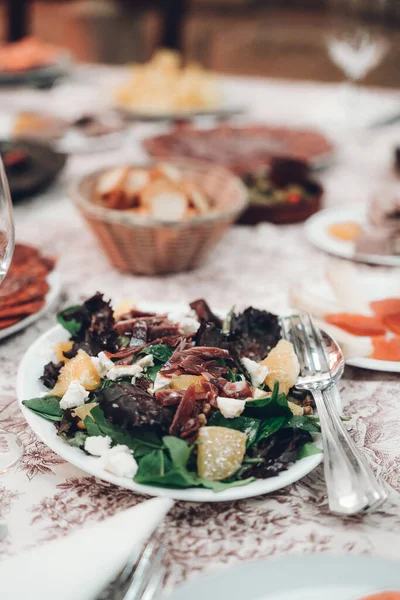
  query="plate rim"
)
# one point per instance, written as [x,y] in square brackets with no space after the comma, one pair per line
[44,430]
[329,564]
[323,243]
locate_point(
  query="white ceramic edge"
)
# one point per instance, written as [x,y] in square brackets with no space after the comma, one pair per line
[263,578]
[315,232]
[54,281]
[47,433]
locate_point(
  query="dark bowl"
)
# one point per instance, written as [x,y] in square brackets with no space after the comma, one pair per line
[30,166]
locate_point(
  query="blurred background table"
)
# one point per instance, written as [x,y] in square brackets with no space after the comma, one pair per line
[43,497]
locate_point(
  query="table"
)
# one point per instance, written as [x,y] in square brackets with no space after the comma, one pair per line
[44,498]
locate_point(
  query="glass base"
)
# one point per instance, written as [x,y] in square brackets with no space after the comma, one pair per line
[10,451]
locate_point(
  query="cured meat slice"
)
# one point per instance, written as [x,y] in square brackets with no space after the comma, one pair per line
[357,324]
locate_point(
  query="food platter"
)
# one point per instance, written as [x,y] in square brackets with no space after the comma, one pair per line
[316,231]
[28,386]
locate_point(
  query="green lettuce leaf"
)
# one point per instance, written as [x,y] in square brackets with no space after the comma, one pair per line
[47,407]
[72,326]
[247,425]
[308,450]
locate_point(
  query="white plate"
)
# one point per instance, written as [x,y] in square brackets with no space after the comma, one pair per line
[54,281]
[309,577]
[375,286]
[316,230]
[29,386]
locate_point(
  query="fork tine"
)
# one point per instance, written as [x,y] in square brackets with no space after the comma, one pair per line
[316,334]
[154,586]
[145,572]
[308,355]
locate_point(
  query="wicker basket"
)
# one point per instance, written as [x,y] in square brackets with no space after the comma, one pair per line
[141,244]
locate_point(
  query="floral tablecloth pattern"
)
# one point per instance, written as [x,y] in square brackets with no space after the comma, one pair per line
[43,498]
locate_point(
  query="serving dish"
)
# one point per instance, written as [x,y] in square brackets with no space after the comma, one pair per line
[317,232]
[29,385]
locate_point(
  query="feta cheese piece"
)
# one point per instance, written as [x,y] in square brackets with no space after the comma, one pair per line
[119,461]
[186,320]
[74,396]
[160,382]
[97,445]
[136,370]
[102,364]
[256,371]
[230,407]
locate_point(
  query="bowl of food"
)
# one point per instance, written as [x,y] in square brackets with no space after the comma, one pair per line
[282,193]
[159,218]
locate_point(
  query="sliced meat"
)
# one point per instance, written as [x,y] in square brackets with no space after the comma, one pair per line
[386,349]
[357,324]
[186,411]
[21,310]
[4,323]
[204,312]
[392,322]
[383,308]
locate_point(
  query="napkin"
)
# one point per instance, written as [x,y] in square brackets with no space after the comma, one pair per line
[79,566]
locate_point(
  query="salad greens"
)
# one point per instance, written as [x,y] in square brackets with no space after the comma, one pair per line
[156,411]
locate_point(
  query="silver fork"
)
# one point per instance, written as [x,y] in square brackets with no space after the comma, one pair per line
[351,484]
[142,576]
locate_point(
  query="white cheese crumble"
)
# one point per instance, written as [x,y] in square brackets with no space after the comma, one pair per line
[186,320]
[102,364]
[160,382]
[97,445]
[136,370]
[231,407]
[256,371]
[74,396]
[119,461]
[260,394]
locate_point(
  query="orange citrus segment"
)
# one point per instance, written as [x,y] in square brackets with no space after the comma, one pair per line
[220,452]
[182,382]
[82,412]
[60,348]
[80,368]
[347,231]
[283,366]
[357,324]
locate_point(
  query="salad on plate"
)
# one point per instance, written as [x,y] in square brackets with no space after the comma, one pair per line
[178,400]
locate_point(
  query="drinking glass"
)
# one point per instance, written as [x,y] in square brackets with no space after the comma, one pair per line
[10,446]
[356,41]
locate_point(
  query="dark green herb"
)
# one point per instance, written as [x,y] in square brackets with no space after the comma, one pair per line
[306,423]
[270,426]
[308,450]
[271,406]
[248,425]
[47,407]
[161,352]
[141,442]
[72,326]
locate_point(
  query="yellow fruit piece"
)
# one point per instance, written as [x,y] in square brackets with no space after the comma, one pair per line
[220,452]
[82,412]
[60,348]
[182,382]
[123,307]
[347,231]
[80,368]
[296,409]
[283,366]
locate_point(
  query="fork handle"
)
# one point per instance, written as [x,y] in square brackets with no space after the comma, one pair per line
[350,482]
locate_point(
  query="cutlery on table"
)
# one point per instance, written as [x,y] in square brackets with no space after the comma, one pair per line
[142,576]
[351,483]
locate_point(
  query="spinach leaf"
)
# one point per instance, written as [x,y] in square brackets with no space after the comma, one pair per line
[169,468]
[72,326]
[308,449]
[248,425]
[78,440]
[270,426]
[47,407]
[161,352]
[151,372]
[271,406]
[306,423]
[142,441]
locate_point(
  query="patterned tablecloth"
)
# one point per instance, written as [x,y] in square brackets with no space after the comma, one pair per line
[43,497]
